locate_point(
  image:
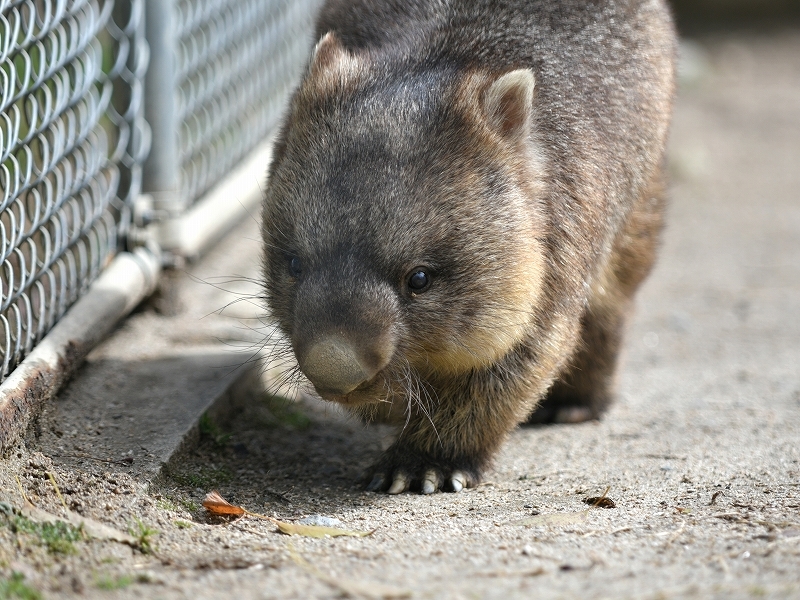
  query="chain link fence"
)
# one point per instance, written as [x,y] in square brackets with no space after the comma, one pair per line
[62,145]
[218,82]
[236,62]
[74,100]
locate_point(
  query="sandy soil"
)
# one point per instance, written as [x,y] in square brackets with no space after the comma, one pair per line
[700,455]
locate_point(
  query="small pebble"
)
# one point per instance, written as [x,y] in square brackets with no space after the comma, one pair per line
[320,521]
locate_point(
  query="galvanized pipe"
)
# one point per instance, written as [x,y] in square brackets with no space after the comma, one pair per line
[161,178]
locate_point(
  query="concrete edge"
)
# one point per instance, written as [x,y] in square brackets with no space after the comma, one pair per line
[221,410]
[131,277]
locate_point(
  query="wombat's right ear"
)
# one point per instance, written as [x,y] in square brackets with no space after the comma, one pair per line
[330,56]
[508,103]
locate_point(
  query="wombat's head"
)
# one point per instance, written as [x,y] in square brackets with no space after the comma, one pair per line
[401,229]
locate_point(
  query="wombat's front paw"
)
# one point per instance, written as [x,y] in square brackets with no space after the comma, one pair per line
[401,469]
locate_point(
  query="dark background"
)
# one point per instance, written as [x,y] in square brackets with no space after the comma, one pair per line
[698,16]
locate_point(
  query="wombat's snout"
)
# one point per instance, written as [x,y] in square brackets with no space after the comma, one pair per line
[336,367]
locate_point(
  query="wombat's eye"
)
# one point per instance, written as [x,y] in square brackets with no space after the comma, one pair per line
[418,280]
[295,267]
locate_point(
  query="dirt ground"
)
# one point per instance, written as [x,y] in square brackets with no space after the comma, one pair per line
[700,455]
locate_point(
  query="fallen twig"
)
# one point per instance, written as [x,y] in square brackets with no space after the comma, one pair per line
[600,531]
[128,460]
[58,491]
[522,573]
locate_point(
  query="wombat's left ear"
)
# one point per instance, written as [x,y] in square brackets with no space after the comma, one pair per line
[508,103]
[330,55]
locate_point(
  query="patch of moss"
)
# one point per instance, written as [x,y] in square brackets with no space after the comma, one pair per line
[15,588]
[107,582]
[59,537]
[211,431]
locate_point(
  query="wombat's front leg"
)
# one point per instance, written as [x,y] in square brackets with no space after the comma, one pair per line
[405,467]
[447,446]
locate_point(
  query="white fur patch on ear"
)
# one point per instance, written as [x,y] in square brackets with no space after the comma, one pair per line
[330,56]
[508,103]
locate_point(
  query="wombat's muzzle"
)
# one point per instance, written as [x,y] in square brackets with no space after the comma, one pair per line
[335,366]
[340,334]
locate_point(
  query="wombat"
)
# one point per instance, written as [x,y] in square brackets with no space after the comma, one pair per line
[463,198]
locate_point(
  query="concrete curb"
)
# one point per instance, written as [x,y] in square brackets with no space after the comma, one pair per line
[129,279]
[153,410]
[138,399]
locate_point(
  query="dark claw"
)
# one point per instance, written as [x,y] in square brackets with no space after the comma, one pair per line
[402,469]
[378,483]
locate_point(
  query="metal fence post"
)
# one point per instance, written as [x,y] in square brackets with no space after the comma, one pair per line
[161,169]
[220,73]
[75,90]
[72,137]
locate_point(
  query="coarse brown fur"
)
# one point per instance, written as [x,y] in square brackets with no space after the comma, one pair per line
[507,154]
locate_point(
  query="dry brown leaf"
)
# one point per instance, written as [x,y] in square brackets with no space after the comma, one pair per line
[600,502]
[317,531]
[555,519]
[219,507]
[215,504]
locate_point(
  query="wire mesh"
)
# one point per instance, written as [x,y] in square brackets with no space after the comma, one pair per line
[73,136]
[125,39]
[237,61]
[68,132]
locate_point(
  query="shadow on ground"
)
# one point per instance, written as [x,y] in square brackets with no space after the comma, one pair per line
[278,456]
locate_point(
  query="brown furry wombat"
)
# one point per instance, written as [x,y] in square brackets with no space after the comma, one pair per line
[463,199]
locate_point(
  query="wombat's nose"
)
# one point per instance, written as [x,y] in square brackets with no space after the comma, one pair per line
[333,367]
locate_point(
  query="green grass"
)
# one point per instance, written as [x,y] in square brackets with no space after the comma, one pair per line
[182,524]
[173,504]
[59,537]
[286,413]
[14,588]
[190,505]
[107,582]
[204,478]
[167,504]
[144,536]
[211,431]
